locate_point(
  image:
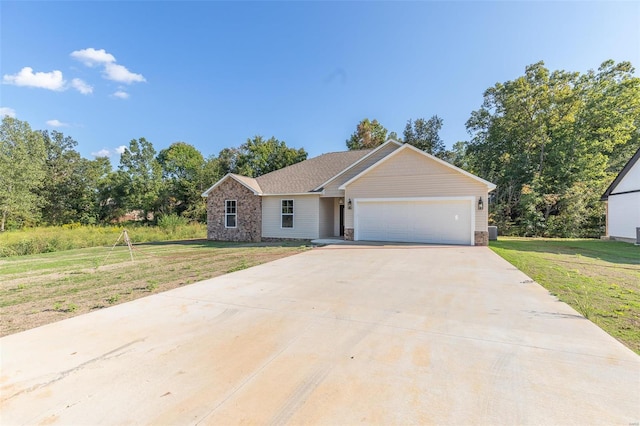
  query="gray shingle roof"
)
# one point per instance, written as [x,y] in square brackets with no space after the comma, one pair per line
[309,174]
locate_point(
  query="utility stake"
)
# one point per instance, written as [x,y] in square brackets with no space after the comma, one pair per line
[128,241]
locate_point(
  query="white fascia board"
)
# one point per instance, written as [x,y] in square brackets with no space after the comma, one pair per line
[490,186]
[359,161]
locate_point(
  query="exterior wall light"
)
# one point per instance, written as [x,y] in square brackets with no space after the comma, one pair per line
[480,204]
[349,204]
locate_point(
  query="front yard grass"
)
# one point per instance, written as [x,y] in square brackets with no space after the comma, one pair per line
[600,279]
[43,288]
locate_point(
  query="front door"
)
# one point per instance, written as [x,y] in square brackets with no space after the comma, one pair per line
[341,220]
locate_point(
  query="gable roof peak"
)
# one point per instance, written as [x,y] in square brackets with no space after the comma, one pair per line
[632,161]
[248,182]
[406,146]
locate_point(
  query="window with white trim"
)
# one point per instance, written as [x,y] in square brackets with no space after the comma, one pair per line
[287,214]
[230,214]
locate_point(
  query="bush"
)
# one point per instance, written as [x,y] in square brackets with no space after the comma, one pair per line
[172,221]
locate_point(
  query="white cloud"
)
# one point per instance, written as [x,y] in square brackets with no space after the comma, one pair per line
[111,71]
[81,86]
[121,149]
[91,56]
[102,153]
[7,111]
[57,123]
[121,94]
[121,74]
[45,80]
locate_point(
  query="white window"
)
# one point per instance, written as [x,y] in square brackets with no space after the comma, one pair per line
[230,214]
[287,214]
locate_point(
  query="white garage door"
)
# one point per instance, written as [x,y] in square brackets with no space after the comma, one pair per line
[440,221]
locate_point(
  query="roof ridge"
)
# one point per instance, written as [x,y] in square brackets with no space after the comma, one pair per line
[306,175]
[343,152]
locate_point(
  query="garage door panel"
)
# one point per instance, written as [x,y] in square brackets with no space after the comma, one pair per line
[427,221]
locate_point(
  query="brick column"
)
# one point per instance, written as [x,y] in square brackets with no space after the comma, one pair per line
[481,238]
[348,234]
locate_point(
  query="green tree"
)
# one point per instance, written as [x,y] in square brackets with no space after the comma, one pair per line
[395,137]
[139,178]
[424,135]
[368,134]
[546,135]
[94,174]
[60,185]
[182,171]
[457,155]
[257,157]
[227,161]
[69,191]
[22,171]
[112,195]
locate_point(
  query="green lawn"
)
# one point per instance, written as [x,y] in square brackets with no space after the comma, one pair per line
[42,288]
[600,279]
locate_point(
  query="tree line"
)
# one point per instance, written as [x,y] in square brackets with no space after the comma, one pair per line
[552,141]
[45,181]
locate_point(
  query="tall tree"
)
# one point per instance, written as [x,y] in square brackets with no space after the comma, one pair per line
[227,161]
[59,186]
[395,137]
[70,188]
[22,171]
[368,134]
[258,156]
[139,177]
[113,192]
[548,140]
[457,155]
[95,174]
[424,135]
[182,170]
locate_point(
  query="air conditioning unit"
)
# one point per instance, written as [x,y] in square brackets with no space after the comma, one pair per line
[493,233]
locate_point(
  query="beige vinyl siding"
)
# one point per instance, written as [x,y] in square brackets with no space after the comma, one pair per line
[331,189]
[410,174]
[305,217]
[326,217]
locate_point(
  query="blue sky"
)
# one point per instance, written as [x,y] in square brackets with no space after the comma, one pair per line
[213,74]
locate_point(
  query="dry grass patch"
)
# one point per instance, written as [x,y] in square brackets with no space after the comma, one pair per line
[39,289]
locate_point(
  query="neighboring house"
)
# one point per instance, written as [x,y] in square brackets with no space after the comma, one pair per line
[394,192]
[623,202]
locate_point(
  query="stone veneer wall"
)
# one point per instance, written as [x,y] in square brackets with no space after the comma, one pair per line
[348,234]
[248,208]
[481,238]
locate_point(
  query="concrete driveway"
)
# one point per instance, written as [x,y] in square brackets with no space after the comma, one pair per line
[336,335]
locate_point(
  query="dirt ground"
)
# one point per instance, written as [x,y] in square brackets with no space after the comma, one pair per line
[40,289]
